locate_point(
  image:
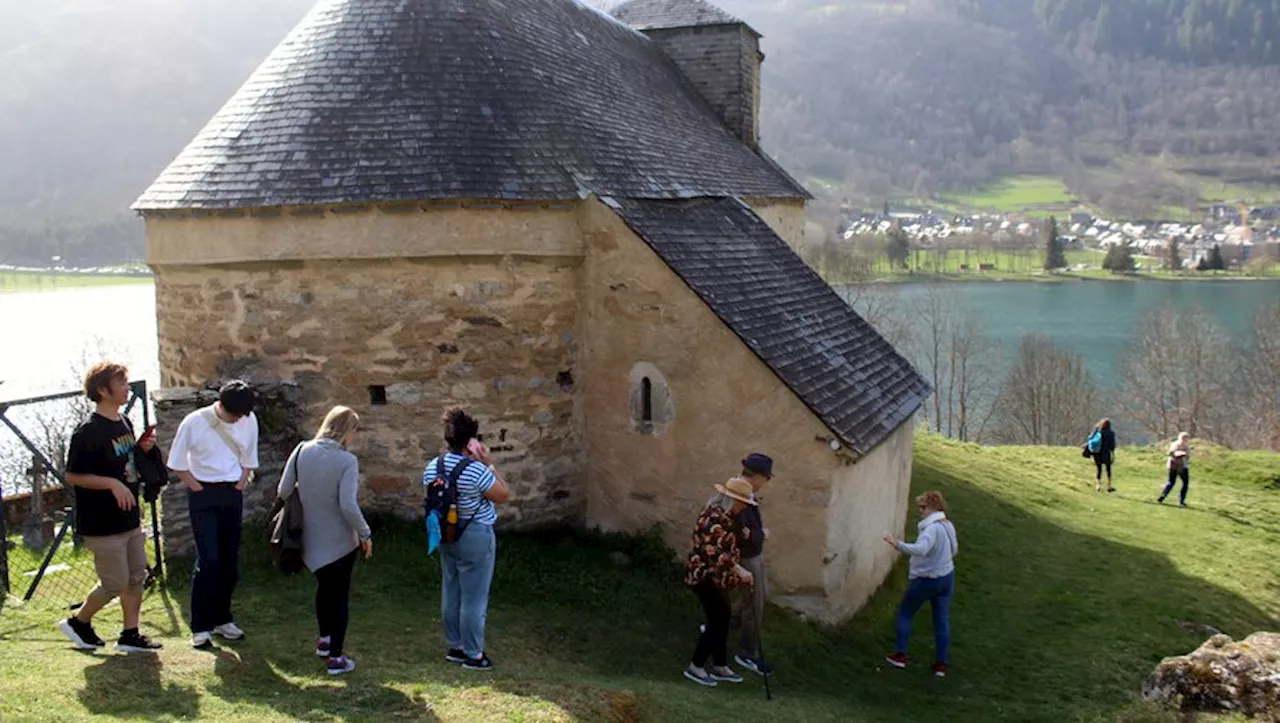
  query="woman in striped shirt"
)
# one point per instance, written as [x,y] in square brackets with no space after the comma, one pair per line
[467,564]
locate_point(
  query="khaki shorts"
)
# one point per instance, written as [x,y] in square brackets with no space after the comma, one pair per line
[121,561]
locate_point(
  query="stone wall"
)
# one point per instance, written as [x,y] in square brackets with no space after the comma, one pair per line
[785,217]
[723,63]
[278,432]
[397,339]
[724,403]
[18,507]
[868,500]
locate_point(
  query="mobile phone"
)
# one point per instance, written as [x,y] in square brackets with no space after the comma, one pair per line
[475,446]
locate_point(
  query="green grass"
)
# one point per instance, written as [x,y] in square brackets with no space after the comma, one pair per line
[1018,194]
[1067,598]
[40,281]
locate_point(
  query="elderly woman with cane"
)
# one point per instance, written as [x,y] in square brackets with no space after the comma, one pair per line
[933,578]
[710,570]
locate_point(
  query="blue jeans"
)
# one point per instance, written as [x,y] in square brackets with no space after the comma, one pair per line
[937,592]
[467,571]
[216,513]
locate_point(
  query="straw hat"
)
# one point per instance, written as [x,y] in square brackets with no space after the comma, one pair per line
[737,488]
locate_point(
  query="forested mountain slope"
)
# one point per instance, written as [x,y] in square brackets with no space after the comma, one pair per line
[1141,106]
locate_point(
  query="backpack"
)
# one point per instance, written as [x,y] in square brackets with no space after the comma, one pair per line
[1095,441]
[442,498]
[286,527]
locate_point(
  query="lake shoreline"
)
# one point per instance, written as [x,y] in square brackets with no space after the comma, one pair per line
[34,281]
[1062,278]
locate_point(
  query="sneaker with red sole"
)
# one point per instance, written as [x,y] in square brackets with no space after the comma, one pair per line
[940,670]
[897,660]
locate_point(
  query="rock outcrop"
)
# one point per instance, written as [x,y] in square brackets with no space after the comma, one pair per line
[1222,675]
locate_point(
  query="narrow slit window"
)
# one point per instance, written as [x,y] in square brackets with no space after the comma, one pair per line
[377,395]
[646,401]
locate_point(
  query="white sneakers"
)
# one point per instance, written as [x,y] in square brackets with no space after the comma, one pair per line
[229,631]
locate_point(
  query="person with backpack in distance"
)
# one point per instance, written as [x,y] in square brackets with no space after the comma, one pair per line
[932,576]
[1179,465]
[214,453]
[712,569]
[1102,447]
[748,601]
[101,469]
[327,478]
[463,489]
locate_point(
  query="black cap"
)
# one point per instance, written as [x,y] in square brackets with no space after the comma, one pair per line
[761,464]
[237,398]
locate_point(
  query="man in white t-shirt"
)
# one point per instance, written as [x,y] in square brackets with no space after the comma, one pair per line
[214,454]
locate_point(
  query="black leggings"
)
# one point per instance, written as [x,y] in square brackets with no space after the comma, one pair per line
[715,639]
[333,592]
[1102,461]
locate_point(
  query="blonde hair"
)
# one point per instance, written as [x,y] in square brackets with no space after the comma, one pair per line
[933,500]
[338,423]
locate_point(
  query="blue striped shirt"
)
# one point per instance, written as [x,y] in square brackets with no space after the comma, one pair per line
[476,480]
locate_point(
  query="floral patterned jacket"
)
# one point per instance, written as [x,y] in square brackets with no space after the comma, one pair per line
[715,550]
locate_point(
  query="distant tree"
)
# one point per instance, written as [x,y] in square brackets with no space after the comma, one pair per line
[886,208]
[1175,374]
[1048,397]
[1119,259]
[1054,256]
[898,247]
[953,352]
[1203,264]
[1173,255]
[1216,262]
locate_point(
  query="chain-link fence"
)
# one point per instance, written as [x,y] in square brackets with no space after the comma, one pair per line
[43,557]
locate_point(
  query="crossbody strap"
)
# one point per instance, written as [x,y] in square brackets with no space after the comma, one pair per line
[220,429]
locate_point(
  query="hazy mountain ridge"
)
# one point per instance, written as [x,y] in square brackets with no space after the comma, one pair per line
[865,99]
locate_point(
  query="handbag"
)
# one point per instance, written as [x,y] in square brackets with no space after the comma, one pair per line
[1084,451]
[286,526]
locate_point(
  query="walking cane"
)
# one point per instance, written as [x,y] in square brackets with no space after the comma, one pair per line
[768,694]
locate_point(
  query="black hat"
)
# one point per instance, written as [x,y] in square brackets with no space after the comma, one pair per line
[761,464]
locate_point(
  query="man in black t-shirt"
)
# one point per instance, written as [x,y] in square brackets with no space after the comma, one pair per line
[100,468]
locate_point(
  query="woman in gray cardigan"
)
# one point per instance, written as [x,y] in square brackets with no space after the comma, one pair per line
[327,478]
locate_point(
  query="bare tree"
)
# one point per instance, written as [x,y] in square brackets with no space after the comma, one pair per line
[973,389]
[1256,403]
[957,357]
[1048,396]
[1176,372]
[880,306]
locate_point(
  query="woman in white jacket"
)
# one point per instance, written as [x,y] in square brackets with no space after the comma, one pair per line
[933,578]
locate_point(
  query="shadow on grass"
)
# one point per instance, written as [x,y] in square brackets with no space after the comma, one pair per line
[1048,624]
[128,686]
[275,665]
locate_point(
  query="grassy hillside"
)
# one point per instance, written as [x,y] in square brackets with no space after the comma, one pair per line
[1067,598]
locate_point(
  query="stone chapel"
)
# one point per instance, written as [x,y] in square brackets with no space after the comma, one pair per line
[562,220]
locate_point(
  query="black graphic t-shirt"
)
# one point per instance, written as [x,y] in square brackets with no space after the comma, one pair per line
[103,447]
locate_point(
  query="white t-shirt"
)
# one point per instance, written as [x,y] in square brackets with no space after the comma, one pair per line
[199,449]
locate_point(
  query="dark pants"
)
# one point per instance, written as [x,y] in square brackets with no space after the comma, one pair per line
[747,608]
[715,639]
[937,592]
[1174,474]
[1103,460]
[216,514]
[333,595]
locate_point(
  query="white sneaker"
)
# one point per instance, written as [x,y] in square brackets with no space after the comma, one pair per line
[230,631]
[202,640]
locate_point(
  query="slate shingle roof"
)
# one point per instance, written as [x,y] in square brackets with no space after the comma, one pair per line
[658,14]
[832,359]
[385,100]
